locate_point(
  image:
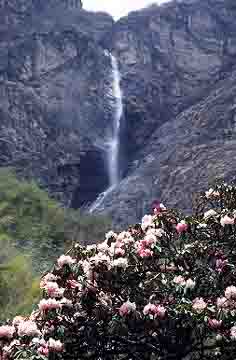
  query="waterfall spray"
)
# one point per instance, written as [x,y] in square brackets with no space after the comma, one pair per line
[112,145]
[114,141]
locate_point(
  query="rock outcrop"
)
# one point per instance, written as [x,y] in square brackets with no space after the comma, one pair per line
[188,152]
[52,83]
[177,63]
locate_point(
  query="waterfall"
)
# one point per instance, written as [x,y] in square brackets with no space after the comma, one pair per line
[114,142]
[112,145]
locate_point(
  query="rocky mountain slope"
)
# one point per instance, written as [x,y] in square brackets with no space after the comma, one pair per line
[177,64]
[51,71]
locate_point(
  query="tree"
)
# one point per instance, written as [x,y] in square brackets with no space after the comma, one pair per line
[164,289]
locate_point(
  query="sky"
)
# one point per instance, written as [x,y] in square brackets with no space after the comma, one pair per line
[118,8]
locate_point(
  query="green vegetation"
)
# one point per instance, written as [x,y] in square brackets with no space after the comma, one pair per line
[19,288]
[34,230]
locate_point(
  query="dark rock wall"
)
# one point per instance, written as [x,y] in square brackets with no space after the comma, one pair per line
[169,57]
[53,74]
[184,155]
[177,63]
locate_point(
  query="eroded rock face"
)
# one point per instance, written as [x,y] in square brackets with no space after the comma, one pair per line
[184,155]
[169,57]
[178,80]
[175,61]
[53,79]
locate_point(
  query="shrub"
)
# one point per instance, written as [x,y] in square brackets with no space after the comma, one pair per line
[164,289]
[34,230]
[19,288]
[37,224]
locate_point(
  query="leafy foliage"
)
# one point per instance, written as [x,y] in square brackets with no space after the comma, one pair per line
[19,288]
[38,224]
[164,289]
[34,230]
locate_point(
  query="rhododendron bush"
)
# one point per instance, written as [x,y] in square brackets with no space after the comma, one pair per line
[163,289]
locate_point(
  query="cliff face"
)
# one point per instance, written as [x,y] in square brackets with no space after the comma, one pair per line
[52,69]
[177,63]
[183,155]
[170,56]
[178,80]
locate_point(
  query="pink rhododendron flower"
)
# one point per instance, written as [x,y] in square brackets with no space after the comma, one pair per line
[160,311]
[149,309]
[149,240]
[103,247]
[119,252]
[155,310]
[73,284]
[55,345]
[220,264]
[199,305]
[226,220]
[6,352]
[43,350]
[124,238]
[121,262]
[156,232]
[233,333]
[49,277]
[53,289]
[117,244]
[65,260]
[38,341]
[214,324]
[127,308]
[123,235]
[49,304]
[7,331]
[147,221]
[28,328]
[179,280]
[144,253]
[190,284]
[181,227]
[222,302]
[230,292]
[129,240]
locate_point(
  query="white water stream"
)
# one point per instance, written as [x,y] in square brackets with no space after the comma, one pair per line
[112,146]
[114,141]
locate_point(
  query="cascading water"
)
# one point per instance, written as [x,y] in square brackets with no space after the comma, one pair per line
[114,142]
[112,145]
